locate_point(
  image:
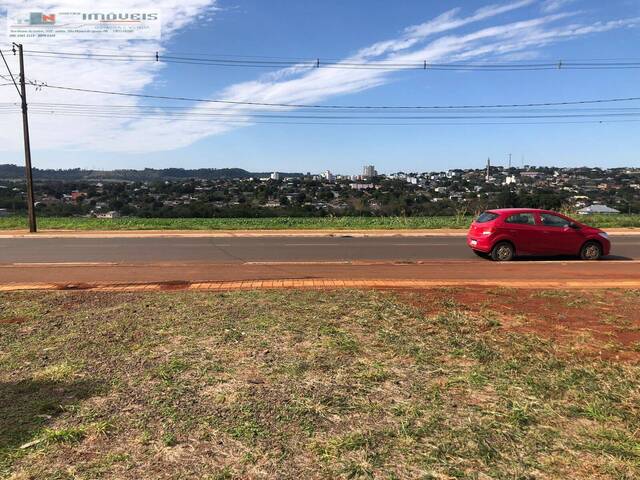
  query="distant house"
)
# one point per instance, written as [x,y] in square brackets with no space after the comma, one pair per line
[361,186]
[76,195]
[601,209]
[112,214]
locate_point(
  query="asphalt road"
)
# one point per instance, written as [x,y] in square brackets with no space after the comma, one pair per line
[255,249]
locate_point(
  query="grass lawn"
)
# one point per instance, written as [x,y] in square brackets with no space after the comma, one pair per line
[444,383]
[278,223]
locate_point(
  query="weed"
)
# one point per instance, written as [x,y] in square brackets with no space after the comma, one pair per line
[171,369]
[63,435]
[169,439]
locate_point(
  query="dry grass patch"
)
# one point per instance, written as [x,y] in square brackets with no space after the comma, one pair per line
[304,384]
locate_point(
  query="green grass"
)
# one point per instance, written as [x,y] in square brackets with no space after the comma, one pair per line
[278,223]
[301,384]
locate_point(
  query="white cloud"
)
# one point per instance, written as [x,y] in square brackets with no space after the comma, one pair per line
[550,6]
[433,41]
[78,132]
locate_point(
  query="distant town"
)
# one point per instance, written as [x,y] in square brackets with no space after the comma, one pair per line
[238,193]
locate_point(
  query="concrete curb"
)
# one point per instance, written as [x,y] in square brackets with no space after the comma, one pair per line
[257,233]
[231,233]
[317,284]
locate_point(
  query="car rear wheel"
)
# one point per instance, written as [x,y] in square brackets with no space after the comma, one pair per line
[502,252]
[591,251]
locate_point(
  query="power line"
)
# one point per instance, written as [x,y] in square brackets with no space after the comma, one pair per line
[10,74]
[295,105]
[250,121]
[306,58]
[228,61]
[249,111]
[597,117]
[231,114]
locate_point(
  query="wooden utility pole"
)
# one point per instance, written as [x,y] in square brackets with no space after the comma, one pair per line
[27,145]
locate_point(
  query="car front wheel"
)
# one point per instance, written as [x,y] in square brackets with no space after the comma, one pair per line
[502,252]
[591,251]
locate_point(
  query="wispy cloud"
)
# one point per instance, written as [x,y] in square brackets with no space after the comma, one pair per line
[70,132]
[436,40]
[447,21]
[550,6]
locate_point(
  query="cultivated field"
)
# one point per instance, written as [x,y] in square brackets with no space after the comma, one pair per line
[279,223]
[445,383]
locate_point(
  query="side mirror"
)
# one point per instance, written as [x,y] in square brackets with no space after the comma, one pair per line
[575,226]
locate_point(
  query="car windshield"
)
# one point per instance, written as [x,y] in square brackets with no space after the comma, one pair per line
[486,217]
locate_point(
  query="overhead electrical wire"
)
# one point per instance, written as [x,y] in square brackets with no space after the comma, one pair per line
[230,113]
[244,110]
[249,112]
[223,118]
[127,50]
[280,62]
[250,122]
[13,80]
[298,105]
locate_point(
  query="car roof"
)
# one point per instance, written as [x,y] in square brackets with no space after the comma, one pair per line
[519,210]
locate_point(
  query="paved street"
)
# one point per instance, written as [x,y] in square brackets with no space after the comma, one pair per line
[395,260]
[254,249]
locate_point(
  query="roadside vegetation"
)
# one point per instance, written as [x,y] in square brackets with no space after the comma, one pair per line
[445,383]
[280,223]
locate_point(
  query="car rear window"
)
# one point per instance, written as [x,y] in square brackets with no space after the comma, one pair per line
[486,217]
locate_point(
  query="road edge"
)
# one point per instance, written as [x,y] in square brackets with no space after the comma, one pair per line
[450,232]
[316,284]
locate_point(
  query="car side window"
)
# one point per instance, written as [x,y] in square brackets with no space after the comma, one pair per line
[521,219]
[549,220]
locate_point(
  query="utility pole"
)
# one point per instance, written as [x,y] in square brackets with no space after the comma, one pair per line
[27,145]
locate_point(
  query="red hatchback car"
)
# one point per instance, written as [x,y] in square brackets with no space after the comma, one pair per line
[505,233]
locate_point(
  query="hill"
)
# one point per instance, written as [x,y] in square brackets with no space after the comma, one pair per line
[14,172]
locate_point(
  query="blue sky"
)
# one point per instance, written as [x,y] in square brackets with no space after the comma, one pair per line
[370,30]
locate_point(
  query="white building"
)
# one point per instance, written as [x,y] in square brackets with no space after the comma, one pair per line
[112,214]
[601,209]
[369,171]
[328,176]
[275,176]
[510,179]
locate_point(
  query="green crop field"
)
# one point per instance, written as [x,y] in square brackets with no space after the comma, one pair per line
[278,223]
